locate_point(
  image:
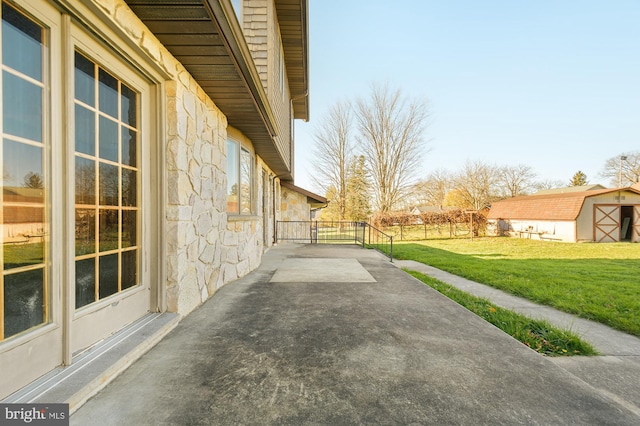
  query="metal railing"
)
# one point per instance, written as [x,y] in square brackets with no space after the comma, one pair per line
[335,232]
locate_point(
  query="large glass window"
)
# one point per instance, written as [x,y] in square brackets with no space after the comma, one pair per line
[239,179]
[23,290]
[107,208]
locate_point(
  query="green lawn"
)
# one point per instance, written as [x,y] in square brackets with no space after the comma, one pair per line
[540,336]
[595,281]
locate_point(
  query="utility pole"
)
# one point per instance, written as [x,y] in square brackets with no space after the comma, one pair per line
[622,157]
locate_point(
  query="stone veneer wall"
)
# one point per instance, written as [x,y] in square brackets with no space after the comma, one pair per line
[293,206]
[204,249]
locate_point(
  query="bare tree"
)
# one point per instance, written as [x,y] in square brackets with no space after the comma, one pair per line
[333,153]
[516,180]
[476,185]
[391,138]
[433,190]
[548,184]
[623,169]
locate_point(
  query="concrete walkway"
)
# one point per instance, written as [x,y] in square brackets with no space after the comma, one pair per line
[615,372]
[347,339]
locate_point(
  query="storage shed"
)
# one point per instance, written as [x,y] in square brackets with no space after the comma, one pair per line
[599,215]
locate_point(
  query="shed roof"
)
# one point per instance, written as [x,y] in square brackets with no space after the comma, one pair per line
[563,207]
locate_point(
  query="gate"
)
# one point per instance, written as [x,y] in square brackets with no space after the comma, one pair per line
[335,232]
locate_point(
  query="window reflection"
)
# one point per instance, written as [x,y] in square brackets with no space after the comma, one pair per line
[129,269]
[85,231]
[108,239]
[129,106]
[108,279]
[85,282]
[22,42]
[21,102]
[239,179]
[108,93]
[129,147]
[129,192]
[108,141]
[85,181]
[84,79]
[245,181]
[85,128]
[232,177]
[23,288]
[108,183]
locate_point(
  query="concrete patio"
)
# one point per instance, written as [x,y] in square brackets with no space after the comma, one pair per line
[338,335]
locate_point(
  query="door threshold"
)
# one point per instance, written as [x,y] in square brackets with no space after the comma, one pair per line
[92,369]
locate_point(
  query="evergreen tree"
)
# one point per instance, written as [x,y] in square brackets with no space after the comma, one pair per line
[579,179]
[358,207]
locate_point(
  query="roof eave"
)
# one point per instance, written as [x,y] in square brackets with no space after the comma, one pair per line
[233,37]
[293,17]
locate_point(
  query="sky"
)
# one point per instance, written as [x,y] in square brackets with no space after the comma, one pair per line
[554,85]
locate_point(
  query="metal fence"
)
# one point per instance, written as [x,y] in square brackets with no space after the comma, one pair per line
[334,232]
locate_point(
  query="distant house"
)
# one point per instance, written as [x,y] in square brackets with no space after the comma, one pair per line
[598,215]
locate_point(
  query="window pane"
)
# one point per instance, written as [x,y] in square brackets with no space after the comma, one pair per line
[129,191]
[108,230]
[108,93]
[245,181]
[108,266]
[24,301]
[21,43]
[85,231]
[85,282]
[129,269]
[22,107]
[108,139]
[24,236]
[85,80]
[108,185]
[129,107]
[129,147]
[85,181]
[129,228]
[232,177]
[85,125]
[22,171]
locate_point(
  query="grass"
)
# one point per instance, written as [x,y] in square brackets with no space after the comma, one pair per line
[594,281]
[539,335]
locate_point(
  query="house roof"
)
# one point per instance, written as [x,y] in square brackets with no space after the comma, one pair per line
[570,189]
[205,36]
[563,206]
[315,200]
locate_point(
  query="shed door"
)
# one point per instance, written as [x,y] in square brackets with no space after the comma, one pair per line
[607,224]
